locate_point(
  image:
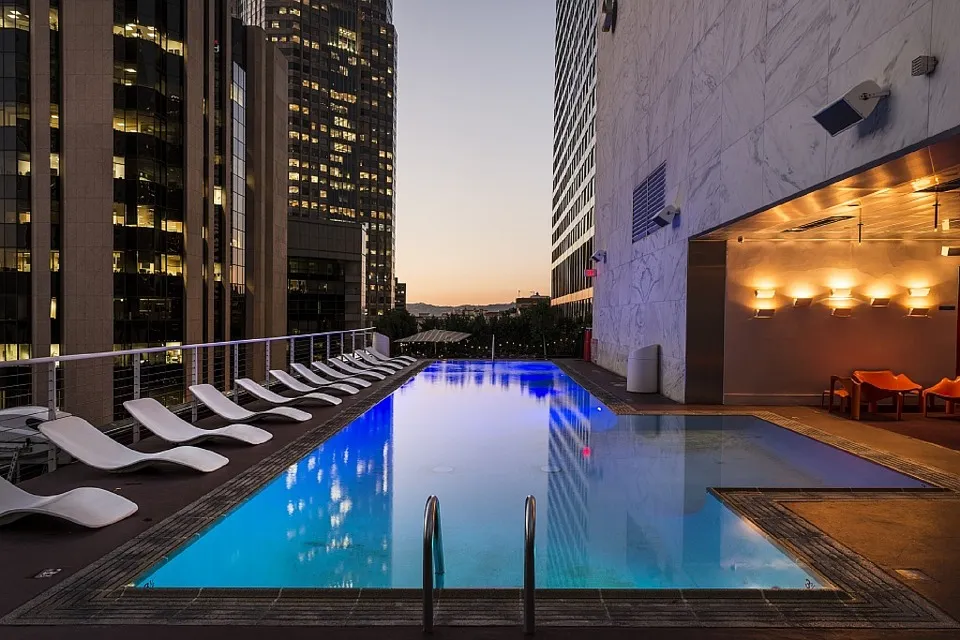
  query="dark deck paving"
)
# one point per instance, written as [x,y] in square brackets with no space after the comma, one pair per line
[925,533]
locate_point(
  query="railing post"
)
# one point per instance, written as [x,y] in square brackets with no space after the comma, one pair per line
[293,351]
[193,377]
[311,350]
[52,411]
[136,393]
[328,346]
[266,371]
[236,364]
[341,343]
[353,342]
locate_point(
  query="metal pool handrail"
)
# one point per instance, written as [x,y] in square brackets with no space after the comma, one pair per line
[432,558]
[529,570]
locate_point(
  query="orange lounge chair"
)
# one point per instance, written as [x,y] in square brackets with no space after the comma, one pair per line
[947,389]
[873,386]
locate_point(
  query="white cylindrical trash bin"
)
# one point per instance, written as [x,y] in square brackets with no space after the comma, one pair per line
[643,370]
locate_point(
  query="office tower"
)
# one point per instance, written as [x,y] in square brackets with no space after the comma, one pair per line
[400,295]
[342,57]
[574,112]
[144,158]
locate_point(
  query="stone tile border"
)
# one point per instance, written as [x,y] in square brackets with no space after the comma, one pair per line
[864,596]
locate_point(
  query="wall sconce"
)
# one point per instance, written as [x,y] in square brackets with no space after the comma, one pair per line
[764,313]
[764,294]
[840,294]
[842,312]
[949,252]
[880,302]
[802,302]
[919,312]
[920,292]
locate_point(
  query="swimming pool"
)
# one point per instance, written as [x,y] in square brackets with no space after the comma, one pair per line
[622,500]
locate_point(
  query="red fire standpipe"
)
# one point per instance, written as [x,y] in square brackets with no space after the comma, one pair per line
[587,338]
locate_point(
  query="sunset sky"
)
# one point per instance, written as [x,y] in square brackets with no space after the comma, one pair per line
[474,149]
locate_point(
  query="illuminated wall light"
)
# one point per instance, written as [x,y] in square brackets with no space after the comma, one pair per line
[764,314]
[840,294]
[764,294]
[842,312]
[919,312]
[949,252]
[802,302]
[920,292]
[880,302]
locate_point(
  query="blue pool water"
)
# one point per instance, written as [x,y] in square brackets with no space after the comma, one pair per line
[622,501]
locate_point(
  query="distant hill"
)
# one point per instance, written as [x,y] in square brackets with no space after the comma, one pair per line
[416,308]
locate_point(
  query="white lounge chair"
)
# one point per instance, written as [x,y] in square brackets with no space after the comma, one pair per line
[262,393]
[362,358]
[380,356]
[167,425]
[347,369]
[363,366]
[295,385]
[339,378]
[86,506]
[210,397]
[93,447]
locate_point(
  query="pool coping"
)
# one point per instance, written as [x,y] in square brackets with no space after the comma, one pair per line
[865,596]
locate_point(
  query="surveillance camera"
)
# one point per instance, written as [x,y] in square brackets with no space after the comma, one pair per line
[854,107]
[666,215]
[599,256]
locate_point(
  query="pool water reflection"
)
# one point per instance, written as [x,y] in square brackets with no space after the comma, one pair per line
[622,500]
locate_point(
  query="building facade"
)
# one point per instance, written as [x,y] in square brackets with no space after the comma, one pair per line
[400,295]
[797,250]
[141,212]
[574,138]
[342,56]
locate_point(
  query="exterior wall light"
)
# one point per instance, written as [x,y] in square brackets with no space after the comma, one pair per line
[802,302]
[920,292]
[919,312]
[840,294]
[764,314]
[880,302]
[949,252]
[842,312]
[764,294]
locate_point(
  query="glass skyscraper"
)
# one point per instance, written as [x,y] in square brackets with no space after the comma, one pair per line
[574,138]
[342,56]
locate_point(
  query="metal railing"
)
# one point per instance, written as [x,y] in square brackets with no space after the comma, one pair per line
[432,558]
[529,567]
[94,386]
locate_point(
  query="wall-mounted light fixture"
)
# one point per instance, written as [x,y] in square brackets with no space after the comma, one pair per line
[764,313]
[840,294]
[919,312]
[802,302]
[855,106]
[949,252]
[880,302]
[920,292]
[764,294]
[609,16]
[842,312]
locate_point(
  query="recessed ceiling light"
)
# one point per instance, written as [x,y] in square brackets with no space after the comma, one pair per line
[822,222]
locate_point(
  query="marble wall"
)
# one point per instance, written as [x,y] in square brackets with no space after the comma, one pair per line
[724,91]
